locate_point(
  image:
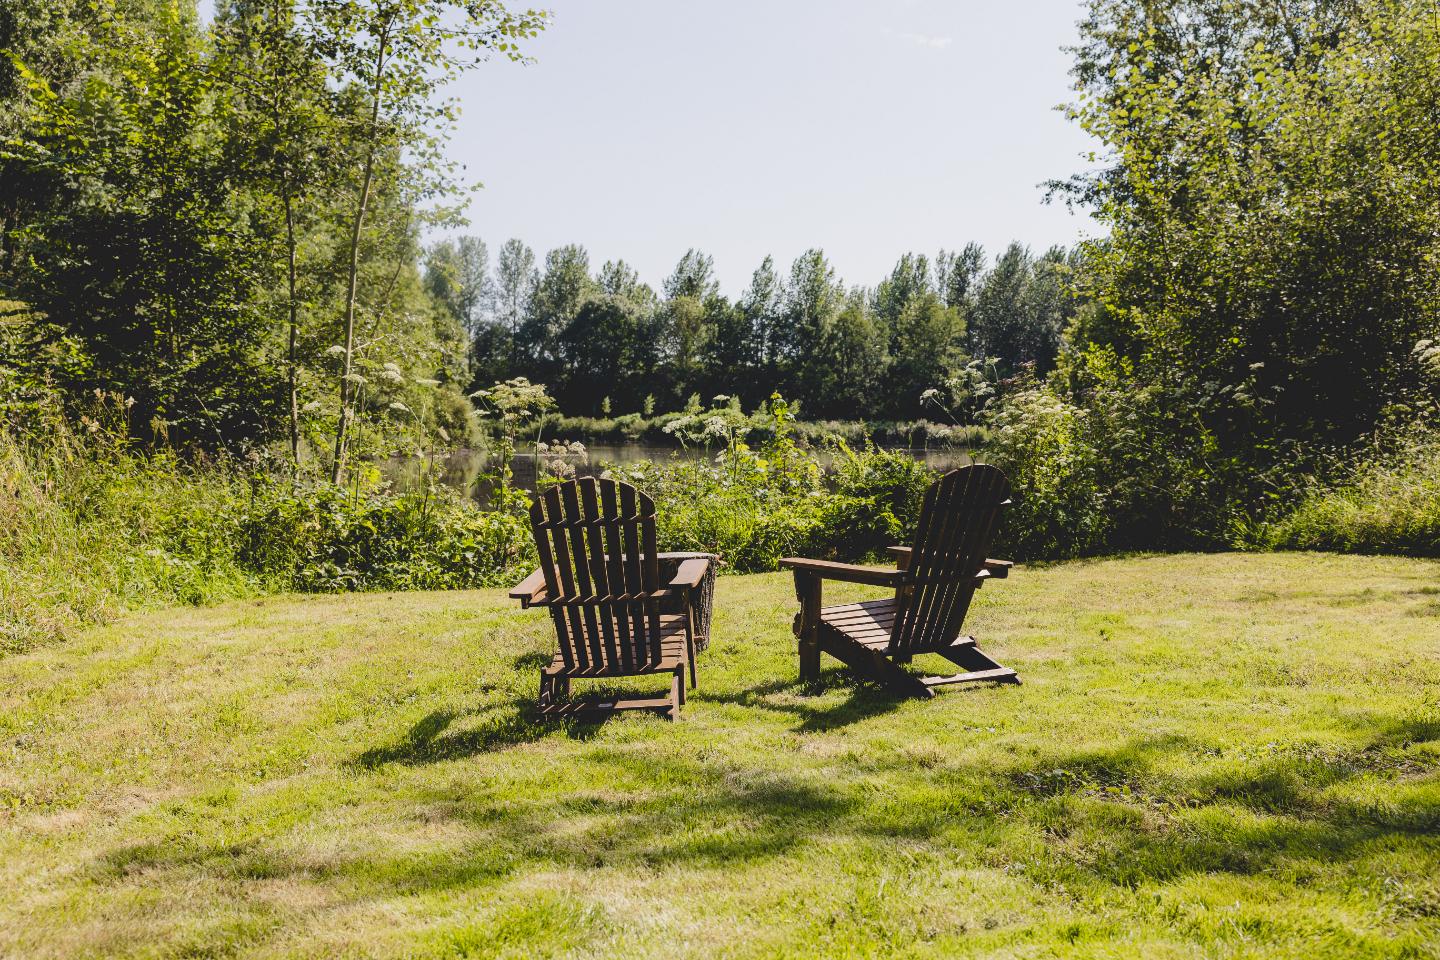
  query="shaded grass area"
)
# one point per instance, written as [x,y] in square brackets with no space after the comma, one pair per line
[1212,756]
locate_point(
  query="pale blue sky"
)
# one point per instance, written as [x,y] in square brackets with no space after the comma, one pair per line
[747,127]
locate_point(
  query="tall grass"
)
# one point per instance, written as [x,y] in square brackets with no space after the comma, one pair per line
[90,528]
[754,507]
[81,539]
[1384,501]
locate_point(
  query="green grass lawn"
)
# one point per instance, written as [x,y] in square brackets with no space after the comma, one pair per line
[1212,756]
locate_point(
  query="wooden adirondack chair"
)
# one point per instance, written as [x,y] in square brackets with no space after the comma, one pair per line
[934,582]
[599,576]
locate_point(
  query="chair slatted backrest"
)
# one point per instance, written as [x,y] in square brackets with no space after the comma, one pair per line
[957,524]
[596,539]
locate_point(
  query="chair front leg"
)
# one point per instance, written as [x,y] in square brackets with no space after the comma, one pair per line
[807,624]
[690,642]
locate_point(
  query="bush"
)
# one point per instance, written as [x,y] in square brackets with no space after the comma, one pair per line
[89,528]
[1115,463]
[752,509]
[1045,447]
[324,539]
[84,536]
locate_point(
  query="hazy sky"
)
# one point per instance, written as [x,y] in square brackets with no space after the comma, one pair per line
[747,127]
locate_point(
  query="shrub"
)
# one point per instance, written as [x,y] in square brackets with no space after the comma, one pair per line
[754,508]
[1115,463]
[324,539]
[633,427]
[1044,446]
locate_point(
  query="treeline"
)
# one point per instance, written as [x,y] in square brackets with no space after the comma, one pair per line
[608,344]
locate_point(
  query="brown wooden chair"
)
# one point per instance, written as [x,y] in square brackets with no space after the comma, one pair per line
[599,576]
[935,579]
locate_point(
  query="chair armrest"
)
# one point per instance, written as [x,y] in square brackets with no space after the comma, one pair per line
[691,573]
[531,590]
[999,569]
[848,572]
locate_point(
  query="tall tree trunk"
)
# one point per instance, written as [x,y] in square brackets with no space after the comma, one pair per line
[343,424]
[291,358]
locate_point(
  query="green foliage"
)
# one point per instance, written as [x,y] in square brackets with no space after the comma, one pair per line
[1267,292]
[916,434]
[1384,499]
[754,507]
[1044,446]
[220,220]
[1273,221]
[87,530]
[848,351]
[1022,308]
[137,242]
[325,540]
[90,527]
[513,409]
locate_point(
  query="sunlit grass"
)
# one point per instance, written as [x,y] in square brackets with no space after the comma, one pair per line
[1212,756]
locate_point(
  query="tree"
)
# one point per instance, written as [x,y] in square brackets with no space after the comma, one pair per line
[279,79]
[515,281]
[926,350]
[559,293]
[812,299]
[457,275]
[910,279]
[686,322]
[135,238]
[599,346]
[42,45]
[693,276]
[400,53]
[731,354]
[618,279]
[1272,216]
[851,360]
[956,274]
[1020,310]
[761,307]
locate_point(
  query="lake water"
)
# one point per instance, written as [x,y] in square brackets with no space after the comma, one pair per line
[462,468]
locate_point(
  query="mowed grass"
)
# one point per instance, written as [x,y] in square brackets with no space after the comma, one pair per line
[1211,756]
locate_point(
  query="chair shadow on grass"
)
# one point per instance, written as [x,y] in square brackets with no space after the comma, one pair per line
[504,725]
[519,722]
[432,741]
[866,698]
